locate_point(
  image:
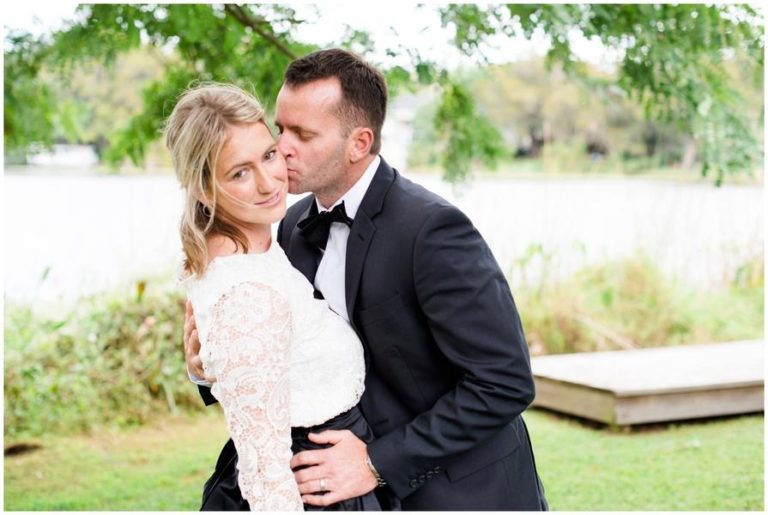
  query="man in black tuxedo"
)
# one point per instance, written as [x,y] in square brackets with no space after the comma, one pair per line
[447,366]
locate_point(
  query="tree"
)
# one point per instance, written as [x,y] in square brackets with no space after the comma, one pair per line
[673,65]
[675,62]
[29,104]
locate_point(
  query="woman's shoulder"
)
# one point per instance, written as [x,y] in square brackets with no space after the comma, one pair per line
[222,255]
[221,246]
[228,260]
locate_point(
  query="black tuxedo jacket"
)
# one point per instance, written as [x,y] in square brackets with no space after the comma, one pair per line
[448,371]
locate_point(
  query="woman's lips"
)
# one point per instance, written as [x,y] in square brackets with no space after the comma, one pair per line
[274,199]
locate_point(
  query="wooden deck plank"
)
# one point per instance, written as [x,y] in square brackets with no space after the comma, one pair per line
[652,385]
[645,409]
[576,400]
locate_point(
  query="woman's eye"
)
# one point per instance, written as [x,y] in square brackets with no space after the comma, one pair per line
[270,155]
[238,174]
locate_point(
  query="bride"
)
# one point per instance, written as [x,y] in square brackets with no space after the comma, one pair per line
[280,357]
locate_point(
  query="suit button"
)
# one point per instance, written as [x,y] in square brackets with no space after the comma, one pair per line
[436,470]
[430,474]
[422,478]
[413,483]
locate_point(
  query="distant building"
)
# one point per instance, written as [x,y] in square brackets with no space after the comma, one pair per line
[66,156]
[397,133]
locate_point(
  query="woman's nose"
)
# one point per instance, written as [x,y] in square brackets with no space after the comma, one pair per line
[265,183]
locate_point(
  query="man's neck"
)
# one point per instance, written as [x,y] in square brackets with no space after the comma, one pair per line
[328,198]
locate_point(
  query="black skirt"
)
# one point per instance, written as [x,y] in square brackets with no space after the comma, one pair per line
[222,493]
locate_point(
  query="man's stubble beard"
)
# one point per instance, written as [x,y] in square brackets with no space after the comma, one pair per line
[328,180]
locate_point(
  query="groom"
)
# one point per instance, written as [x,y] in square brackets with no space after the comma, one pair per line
[448,372]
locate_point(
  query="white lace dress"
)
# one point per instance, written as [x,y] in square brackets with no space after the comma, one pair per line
[280,358]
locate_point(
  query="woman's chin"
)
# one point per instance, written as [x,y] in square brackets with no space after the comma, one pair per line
[279,212]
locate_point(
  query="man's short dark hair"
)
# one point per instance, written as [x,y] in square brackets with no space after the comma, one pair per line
[363,88]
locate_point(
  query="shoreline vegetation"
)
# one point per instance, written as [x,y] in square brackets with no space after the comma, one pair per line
[115,358]
[521,169]
[531,169]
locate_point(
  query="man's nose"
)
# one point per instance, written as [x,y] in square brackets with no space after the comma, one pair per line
[284,145]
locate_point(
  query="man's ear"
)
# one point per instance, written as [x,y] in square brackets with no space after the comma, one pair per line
[360,140]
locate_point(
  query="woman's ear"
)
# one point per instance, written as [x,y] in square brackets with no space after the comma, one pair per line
[361,140]
[203,199]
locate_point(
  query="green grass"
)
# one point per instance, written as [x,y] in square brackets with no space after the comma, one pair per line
[157,467]
[712,465]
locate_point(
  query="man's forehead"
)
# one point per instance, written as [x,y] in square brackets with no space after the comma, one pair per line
[317,93]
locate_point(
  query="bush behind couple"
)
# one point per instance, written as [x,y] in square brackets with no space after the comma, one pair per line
[374,359]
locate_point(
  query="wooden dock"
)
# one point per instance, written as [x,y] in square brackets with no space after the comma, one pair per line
[653,385]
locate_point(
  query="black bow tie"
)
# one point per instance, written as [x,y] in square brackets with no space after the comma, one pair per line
[317,226]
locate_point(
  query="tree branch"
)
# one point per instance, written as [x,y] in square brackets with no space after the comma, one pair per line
[247,20]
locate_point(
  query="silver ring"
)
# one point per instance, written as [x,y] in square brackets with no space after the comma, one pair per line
[322,485]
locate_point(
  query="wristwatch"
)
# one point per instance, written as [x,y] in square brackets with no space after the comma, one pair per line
[375,472]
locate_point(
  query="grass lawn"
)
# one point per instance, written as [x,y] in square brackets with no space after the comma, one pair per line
[160,467]
[713,465]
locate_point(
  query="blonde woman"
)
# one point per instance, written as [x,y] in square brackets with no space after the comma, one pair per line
[274,350]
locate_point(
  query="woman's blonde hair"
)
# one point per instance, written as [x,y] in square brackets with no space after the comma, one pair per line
[195,134]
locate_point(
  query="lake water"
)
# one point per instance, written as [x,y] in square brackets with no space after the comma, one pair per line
[66,236]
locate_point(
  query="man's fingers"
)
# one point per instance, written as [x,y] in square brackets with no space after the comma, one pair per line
[307,459]
[188,330]
[309,474]
[191,345]
[328,437]
[315,486]
[321,500]
[196,366]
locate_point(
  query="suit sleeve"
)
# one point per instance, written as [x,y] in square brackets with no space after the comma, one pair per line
[474,322]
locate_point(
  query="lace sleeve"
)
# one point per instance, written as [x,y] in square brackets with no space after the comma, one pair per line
[249,347]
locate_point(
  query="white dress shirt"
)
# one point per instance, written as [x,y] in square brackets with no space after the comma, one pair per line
[330,276]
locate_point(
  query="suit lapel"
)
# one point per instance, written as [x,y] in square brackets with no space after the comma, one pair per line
[362,232]
[359,241]
[304,256]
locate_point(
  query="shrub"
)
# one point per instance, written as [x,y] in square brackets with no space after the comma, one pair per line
[115,359]
[629,304]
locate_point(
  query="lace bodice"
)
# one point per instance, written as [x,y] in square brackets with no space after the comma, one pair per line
[280,358]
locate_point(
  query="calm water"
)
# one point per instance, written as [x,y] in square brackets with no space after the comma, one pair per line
[66,236]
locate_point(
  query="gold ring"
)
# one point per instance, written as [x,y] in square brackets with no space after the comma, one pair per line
[322,485]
